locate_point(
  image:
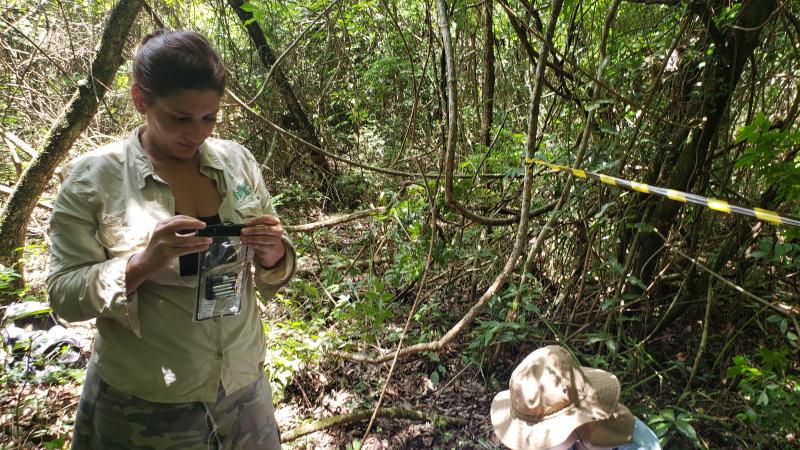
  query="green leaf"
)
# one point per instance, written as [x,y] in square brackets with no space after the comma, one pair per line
[434,377]
[686,428]
[774,318]
[52,445]
[782,249]
[609,302]
[251,8]
[774,360]
[615,266]
[763,399]
[661,428]
[636,282]
[595,338]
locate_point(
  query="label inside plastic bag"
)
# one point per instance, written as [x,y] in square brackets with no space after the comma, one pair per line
[221,276]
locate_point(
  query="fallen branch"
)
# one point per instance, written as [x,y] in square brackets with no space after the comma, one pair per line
[334,220]
[341,266]
[359,416]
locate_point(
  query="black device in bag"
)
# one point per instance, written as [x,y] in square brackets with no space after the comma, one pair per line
[222,271]
[223,229]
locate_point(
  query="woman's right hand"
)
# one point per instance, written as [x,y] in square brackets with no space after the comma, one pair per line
[164,246]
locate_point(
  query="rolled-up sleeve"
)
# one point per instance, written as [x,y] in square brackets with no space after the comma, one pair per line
[82,281]
[278,276]
[269,281]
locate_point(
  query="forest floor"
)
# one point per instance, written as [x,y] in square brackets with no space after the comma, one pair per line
[40,414]
[38,411]
[39,398]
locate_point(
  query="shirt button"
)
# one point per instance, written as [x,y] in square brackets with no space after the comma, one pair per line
[218,355]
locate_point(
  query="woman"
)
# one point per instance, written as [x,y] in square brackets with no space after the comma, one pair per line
[125,251]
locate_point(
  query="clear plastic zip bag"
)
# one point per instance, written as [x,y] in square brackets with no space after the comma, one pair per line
[222,271]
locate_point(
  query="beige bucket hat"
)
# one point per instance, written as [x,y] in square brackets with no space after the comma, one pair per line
[550,395]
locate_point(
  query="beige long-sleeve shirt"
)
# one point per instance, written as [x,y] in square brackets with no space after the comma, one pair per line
[147,343]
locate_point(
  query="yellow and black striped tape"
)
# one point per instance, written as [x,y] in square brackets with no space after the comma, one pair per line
[683,197]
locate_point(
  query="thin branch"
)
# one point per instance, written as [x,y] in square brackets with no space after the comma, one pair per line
[787,312]
[533,56]
[290,48]
[410,125]
[635,106]
[24,146]
[36,46]
[154,15]
[702,11]
[297,138]
[283,85]
[536,247]
[452,130]
[651,94]
[703,341]
[309,227]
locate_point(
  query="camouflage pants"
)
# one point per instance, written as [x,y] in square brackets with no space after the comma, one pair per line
[111,419]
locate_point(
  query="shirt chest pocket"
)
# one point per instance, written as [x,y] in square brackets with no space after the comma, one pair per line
[248,209]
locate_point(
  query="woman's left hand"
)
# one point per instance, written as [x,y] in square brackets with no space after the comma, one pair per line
[263,234]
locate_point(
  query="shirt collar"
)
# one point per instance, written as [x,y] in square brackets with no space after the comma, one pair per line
[141,162]
[209,157]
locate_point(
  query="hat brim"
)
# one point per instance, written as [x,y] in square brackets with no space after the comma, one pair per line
[519,434]
[615,431]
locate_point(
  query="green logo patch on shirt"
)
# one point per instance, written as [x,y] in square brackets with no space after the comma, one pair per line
[242,191]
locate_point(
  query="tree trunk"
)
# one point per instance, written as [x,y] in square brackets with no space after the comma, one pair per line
[740,42]
[76,117]
[282,82]
[487,93]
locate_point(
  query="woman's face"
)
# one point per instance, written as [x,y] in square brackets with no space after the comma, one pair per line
[179,123]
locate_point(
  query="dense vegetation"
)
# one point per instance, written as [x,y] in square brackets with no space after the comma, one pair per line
[426,115]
